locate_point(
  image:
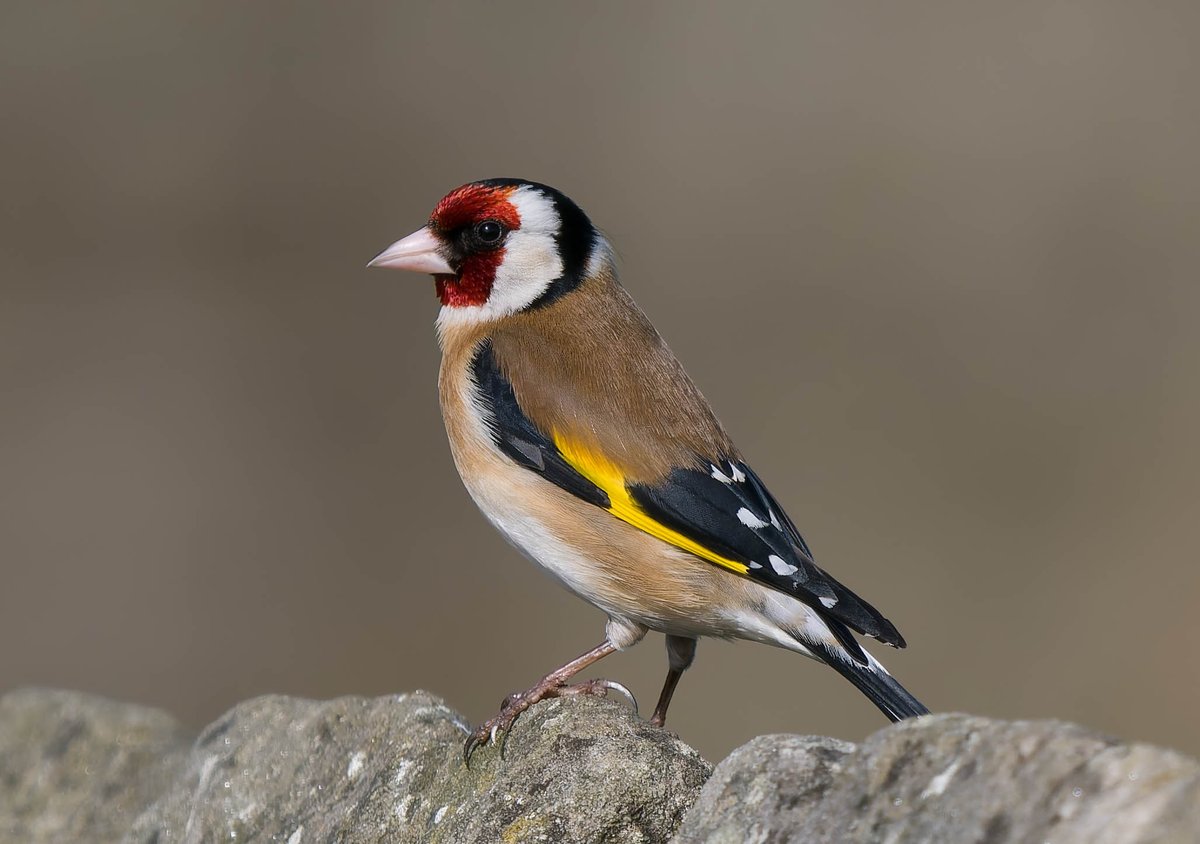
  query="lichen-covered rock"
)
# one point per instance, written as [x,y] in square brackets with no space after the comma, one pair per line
[950,778]
[80,768]
[391,769]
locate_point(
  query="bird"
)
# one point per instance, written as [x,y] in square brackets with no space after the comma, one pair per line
[580,437]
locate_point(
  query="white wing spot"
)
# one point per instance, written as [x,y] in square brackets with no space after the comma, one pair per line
[774,519]
[755,565]
[749,519]
[782,566]
[829,602]
[720,476]
[738,474]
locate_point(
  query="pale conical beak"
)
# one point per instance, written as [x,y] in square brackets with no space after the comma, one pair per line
[418,252]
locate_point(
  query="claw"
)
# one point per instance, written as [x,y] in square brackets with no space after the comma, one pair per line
[486,733]
[613,685]
[469,748]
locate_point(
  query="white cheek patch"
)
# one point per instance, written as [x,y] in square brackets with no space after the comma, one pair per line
[531,262]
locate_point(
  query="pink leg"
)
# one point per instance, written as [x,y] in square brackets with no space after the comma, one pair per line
[553,684]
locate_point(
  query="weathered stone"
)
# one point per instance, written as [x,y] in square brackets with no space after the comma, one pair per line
[80,768]
[950,778]
[391,769]
[765,790]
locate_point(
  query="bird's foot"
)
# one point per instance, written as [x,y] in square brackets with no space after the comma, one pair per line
[500,725]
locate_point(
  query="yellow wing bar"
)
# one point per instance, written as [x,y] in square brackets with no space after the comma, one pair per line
[605,474]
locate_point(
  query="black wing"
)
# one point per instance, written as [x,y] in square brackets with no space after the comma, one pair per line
[728,509]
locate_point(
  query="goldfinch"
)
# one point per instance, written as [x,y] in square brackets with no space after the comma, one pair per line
[582,439]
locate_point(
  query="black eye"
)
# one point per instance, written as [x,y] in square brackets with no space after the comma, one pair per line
[489,232]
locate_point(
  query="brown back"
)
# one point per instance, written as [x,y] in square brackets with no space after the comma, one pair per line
[591,368]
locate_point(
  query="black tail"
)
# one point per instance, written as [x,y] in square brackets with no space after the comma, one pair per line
[881,688]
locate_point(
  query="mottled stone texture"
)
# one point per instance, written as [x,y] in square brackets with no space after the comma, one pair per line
[950,778]
[79,768]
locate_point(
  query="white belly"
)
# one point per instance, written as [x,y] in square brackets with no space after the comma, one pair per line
[499,498]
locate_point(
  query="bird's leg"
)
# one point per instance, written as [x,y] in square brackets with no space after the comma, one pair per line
[553,684]
[680,653]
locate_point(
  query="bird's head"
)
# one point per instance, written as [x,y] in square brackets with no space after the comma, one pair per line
[500,246]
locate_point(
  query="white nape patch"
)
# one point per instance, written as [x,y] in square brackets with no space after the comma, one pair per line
[602,256]
[782,566]
[531,262]
[829,602]
[356,764]
[738,474]
[937,785]
[749,519]
[720,476]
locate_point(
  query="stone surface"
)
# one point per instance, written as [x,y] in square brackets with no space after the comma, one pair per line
[79,768]
[391,769]
[765,791]
[950,778]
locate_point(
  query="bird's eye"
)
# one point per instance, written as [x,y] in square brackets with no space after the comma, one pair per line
[489,232]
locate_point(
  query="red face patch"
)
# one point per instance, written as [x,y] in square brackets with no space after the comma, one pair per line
[472,204]
[473,284]
[467,206]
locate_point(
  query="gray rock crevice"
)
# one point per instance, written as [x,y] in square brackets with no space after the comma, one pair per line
[79,768]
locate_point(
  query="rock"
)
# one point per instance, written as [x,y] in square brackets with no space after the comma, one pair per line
[950,778]
[391,769]
[765,791]
[80,768]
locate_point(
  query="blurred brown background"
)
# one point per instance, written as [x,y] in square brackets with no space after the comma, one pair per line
[935,266]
